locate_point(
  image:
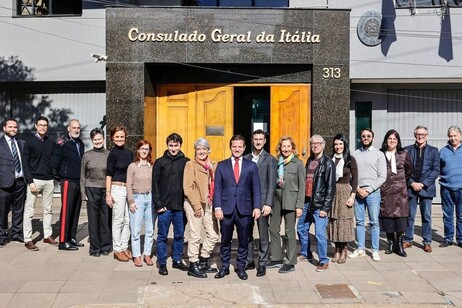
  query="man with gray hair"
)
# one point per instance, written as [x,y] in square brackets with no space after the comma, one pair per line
[372,173]
[451,186]
[421,186]
[319,195]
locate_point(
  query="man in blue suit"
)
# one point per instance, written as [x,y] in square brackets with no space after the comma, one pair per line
[236,201]
[12,183]
[421,186]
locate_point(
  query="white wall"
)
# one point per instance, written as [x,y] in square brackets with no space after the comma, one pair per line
[58,48]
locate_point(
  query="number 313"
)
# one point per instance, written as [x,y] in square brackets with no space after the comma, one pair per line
[331,72]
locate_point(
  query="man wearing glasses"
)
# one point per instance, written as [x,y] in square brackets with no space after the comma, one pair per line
[372,173]
[39,177]
[421,186]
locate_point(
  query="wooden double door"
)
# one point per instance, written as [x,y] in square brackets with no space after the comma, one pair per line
[209,111]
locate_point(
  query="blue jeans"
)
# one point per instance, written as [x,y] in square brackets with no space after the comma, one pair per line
[451,200]
[164,220]
[372,203]
[303,232]
[142,214]
[320,232]
[426,213]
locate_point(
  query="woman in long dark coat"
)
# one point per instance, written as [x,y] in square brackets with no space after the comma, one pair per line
[394,207]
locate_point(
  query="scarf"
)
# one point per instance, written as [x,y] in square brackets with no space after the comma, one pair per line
[339,166]
[392,158]
[207,165]
[281,163]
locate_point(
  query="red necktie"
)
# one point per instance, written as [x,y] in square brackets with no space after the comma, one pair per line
[236,170]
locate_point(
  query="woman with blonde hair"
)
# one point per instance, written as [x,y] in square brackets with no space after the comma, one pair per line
[116,193]
[198,184]
[139,183]
[288,204]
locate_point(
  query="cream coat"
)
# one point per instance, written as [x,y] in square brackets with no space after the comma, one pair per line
[195,184]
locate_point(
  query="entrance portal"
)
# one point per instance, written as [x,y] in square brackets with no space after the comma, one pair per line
[216,112]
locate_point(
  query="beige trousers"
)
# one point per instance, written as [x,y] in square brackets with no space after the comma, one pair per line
[206,222]
[46,188]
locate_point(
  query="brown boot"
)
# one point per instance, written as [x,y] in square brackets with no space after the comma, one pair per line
[344,253]
[128,253]
[337,253]
[120,256]
[137,261]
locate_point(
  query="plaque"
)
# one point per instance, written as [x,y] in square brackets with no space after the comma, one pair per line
[368,28]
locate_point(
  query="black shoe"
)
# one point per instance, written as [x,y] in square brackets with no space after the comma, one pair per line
[286,268]
[163,270]
[105,253]
[76,244]
[222,273]
[446,244]
[242,274]
[95,254]
[274,264]
[204,265]
[179,265]
[3,242]
[66,246]
[250,266]
[261,271]
[460,245]
[195,271]
[18,239]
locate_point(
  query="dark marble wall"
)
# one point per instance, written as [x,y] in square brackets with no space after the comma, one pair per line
[127,60]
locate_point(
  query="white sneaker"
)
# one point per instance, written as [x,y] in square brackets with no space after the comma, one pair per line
[357,253]
[376,256]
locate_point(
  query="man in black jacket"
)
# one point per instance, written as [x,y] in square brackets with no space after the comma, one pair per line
[168,199]
[320,177]
[66,159]
[36,159]
[12,183]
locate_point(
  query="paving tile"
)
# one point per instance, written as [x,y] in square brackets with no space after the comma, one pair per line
[91,275]
[426,266]
[424,297]
[454,298]
[375,285]
[5,299]
[44,286]
[53,274]
[32,300]
[444,281]
[81,286]
[383,298]
[385,265]
[11,286]
[289,297]
[130,275]
[393,276]
[126,286]
[65,300]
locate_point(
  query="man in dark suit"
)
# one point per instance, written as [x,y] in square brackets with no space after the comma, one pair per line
[266,165]
[236,200]
[421,186]
[12,183]
[66,160]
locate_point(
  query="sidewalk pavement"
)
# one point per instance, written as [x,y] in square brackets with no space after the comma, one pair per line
[53,278]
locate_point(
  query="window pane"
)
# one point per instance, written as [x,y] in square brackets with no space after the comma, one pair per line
[239,3]
[272,3]
[208,2]
[363,114]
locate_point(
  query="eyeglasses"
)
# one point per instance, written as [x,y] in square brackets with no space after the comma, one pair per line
[316,143]
[366,136]
[42,125]
[420,135]
[144,149]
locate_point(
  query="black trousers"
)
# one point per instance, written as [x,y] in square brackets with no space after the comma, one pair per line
[99,220]
[12,198]
[71,202]
[263,247]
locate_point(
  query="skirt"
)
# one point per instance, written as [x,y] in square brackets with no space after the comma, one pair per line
[341,218]
[393,224]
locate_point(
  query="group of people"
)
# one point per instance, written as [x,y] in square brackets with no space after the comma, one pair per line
[124,191]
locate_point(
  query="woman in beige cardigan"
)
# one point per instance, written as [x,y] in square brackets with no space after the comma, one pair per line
[198,183]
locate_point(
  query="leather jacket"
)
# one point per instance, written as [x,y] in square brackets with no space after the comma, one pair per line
[323,184]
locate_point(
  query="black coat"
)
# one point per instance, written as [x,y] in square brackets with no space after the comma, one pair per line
[167,182]
[66,159]
[323,184]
